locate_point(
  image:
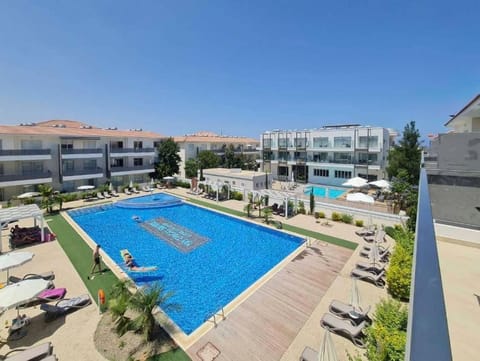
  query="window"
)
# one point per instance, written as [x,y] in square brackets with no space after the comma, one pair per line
[67,144]
[68,165]
[343,158]
[368,142]
[137,144]
[320,142]
[137,162]
[117,162]
[89,164]
[267,143]
[342,142]
[282,142]
[89,144]
[343,174]
[300,142]
[321,172]
[365,158]
[32,167]
[116,145]
[31,144]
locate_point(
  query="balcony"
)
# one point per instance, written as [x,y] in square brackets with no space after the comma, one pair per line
[132,152]
[70,153]
[141,169]
[84,173]
[8,180]
[25,154]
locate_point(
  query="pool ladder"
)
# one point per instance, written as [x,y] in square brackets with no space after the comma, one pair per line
[213,317]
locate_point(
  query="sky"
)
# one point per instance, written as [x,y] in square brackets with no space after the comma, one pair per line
[238,67]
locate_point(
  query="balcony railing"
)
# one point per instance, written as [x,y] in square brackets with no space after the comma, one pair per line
[131,169]
[427,333]
[132,150]
[85,171]
[82,151]
[13,152]
[25,176]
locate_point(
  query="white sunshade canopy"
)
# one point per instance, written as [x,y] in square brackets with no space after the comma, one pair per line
[360,197]
[17,294]
[21,212]
[28,195]
[356,182]
[382,183]
[14,259]
[85,187]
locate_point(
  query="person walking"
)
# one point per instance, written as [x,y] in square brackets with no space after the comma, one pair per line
[96,262]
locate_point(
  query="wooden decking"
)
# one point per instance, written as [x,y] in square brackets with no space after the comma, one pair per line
[264,325]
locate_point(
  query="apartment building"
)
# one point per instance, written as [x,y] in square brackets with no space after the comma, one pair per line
[453,168]
[66,154]
[192,144]
[329,155]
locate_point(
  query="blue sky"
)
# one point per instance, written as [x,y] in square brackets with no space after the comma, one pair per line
[238,67]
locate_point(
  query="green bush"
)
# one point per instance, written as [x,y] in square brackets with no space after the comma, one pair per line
[336,216]
[387,336]
[359,223]
[301,207]
[399,274]
[390,231]
[347,218]
[182,184]
[238,196]
[321,214]
[69,197]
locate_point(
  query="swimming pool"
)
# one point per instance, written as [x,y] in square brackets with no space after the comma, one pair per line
[206,258]
[319,191]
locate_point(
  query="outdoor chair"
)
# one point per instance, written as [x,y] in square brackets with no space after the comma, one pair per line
[127,192]
[380,236]
[135,190]
[340,309]
[50,358]
[365,232]
[100,195]
[106,195]
[48,276]
[38,352]
[62,307]
[376,279]
[371,267]
[49,295]
[309,354]
[368,248]
[114,193]
[382,254]
[344,328]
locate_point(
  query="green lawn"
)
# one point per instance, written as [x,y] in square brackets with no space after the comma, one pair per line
[304,232]
[80,254]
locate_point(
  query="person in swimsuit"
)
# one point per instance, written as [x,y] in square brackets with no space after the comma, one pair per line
[130,263]
[96,262]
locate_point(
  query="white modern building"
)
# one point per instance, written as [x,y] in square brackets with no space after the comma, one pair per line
[237,179]
[192,144]
[327,155]
[66,154]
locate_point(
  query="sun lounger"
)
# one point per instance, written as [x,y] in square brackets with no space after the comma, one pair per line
[106,195]
[365,232]
[50,358]
[344,328]
[100,195]
[127,192]
[343,310]
[368,248]
[49,295]
[309,354]
[114,193]
[135,190]
[62,307]
[378,237]
[48,276]
[38,352]
[382,254]
[376,279]
[371,267]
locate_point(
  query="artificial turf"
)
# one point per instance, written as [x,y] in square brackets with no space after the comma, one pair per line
[80,255]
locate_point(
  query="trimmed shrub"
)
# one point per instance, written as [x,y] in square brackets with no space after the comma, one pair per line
[238,196]
[301,207]
[336,217]
[359,223]
[182,184]
[399,274]
[347,218]
[387,336]
[321,214]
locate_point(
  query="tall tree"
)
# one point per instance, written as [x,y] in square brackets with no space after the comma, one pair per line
[406,155]
[168,159]
[230,161]
[191,168]
[207,159]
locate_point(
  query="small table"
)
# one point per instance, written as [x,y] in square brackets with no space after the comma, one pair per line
[18,328]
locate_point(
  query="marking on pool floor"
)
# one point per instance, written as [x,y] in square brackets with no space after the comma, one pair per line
[177,236]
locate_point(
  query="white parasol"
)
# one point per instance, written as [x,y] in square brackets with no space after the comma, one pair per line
[355,182]
[85,187]
[17,294]
[28,195]
[382,183]
[14,259]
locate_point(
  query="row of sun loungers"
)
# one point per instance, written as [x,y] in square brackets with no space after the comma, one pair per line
[43,352]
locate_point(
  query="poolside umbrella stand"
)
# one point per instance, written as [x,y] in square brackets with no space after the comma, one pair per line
[356,182]
[363,198]
[355,298]
[327,351]
[14,259]
[17,294]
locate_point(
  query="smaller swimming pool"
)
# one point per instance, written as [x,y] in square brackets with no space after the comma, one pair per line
[325,192]
[151,201]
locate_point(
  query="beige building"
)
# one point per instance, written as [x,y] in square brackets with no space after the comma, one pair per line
[237,179]
[192,144]
[66,154]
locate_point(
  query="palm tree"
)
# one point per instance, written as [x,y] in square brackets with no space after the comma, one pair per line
[267,213]
[118,305]
[247,209]
[46,191]
[144,301]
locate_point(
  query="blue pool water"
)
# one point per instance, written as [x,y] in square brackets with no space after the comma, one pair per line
[319,191]
[230,256]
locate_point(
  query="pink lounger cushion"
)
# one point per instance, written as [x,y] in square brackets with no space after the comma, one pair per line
[53,294]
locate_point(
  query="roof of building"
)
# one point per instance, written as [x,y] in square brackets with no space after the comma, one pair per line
[469,104]
[210,137]
[73,128]
[231,172]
